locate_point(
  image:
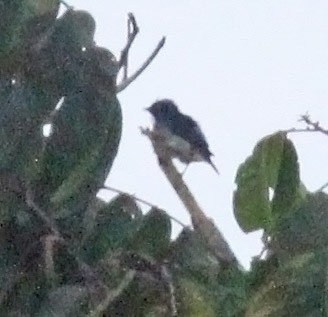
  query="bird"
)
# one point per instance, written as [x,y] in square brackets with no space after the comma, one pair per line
[183,136]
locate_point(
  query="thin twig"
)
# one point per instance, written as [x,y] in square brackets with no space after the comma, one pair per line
[118,191]
[113,294]
[265,248]
[167,277]
[133,30]
[210,234]
[41,214]
[125,83]
[322,188]
[315,126]
[49,242]
[295,130]
[125,61]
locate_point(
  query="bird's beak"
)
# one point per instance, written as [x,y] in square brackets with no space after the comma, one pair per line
[147,109]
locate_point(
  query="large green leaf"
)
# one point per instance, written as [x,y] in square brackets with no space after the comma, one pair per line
[22,24]
[145,245]
[195,299]
[29,93]
[74,30]
[66,301]
[189,255]
[70,51]
[273,165]
[113,224]
[153,236]
[23,283]
[295,288]
[88,151]
[144,295]
[304,230]
[59,61]
[23,106]
[201,281]
[86,133]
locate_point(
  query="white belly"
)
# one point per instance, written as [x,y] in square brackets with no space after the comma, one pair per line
[178,147]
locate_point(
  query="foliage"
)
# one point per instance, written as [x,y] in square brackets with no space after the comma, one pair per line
[64,252]
[273,165]
[292,279]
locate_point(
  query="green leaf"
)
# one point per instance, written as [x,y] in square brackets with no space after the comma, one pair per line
[86,131]
[65,301]
[74,30]
[23,284]
[153,236]
[143,296]
[113,224]
[199,279]
[195,299]
[189,254]
[287,188]
[251,201]
[273,165]
[82,148]
[66,57]
[89,151]
[305,229]
[295,288]
[22,25]
[23,109]
[79,158]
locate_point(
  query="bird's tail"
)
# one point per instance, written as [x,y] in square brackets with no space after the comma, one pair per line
[214,167]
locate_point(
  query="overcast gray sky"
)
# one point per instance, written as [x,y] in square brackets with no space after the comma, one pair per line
[242,68]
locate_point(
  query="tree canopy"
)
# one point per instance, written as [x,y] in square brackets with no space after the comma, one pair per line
[65,252]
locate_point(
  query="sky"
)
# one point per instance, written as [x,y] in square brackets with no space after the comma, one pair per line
[242,69]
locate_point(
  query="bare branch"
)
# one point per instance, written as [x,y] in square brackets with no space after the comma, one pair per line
[295,130]
[113,294]
[210,234]
[322,188]
[41,214]
[311,126]
[118,191]
[314,126]
[133,30]
[166,276]
[49,242]
[124,61]
[126,82]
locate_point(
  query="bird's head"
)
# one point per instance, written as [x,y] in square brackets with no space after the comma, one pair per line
[163,109]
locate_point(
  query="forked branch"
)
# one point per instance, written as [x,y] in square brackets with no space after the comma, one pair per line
[311,126]
[133,30]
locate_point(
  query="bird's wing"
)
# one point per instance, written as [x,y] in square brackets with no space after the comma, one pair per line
[189,130]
